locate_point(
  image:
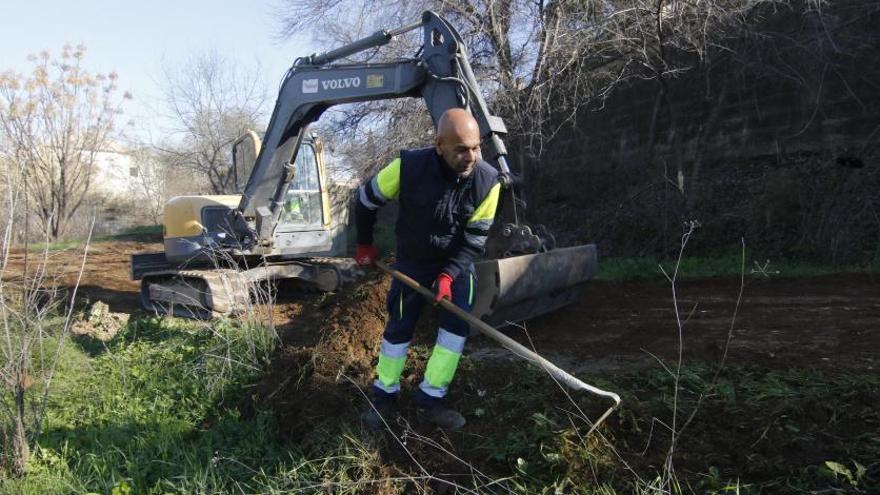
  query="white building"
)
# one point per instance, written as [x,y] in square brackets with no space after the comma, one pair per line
[115,173]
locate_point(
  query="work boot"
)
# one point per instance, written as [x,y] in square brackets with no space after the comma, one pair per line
[374,415]
[441,416]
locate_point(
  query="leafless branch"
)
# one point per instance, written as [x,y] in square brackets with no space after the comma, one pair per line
[211,102]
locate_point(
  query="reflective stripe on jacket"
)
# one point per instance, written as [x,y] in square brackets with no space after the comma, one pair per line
[442,216]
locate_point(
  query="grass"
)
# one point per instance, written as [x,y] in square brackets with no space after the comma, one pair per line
[153,232]
[154,411]
[155,405]
[758,431]
[728,265]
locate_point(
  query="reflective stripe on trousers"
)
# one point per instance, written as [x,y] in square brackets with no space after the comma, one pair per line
[392,358]
[442,364]
[404,307]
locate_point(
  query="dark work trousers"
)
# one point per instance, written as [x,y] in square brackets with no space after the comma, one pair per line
[405,305]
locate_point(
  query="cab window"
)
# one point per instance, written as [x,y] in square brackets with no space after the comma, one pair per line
[302,202]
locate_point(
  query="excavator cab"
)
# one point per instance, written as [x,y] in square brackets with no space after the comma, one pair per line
[306,202]
[306,205]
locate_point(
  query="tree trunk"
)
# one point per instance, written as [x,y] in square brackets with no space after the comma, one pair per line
[20,448]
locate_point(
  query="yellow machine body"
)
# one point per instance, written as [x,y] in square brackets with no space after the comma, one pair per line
[183,214]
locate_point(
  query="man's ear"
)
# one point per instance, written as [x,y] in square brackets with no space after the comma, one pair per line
[437,143]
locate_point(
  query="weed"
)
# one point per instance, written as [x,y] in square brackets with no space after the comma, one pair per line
[156,405]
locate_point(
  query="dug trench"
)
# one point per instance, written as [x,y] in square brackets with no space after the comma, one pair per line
[771,389]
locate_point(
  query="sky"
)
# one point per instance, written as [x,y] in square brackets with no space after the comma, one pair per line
[136,38]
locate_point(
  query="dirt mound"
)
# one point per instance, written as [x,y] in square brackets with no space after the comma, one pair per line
[326,362]
[334,335]
[99,323]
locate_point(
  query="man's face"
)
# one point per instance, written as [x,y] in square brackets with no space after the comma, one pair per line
[460,151]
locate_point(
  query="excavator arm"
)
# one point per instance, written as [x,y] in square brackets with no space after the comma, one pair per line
[440,74]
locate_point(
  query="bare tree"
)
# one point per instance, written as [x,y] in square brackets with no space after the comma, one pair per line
[530,55]
[31,336]
[55,122]
[211,102]
[541,61]
[151,181]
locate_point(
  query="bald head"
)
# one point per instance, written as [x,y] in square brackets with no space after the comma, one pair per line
[458,140]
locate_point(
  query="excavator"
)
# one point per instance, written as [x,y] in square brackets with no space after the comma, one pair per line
[218,248]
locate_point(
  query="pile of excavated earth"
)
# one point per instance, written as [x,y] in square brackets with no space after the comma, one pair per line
[324,369]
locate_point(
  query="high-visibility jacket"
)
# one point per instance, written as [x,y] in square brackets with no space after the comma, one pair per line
[443,218]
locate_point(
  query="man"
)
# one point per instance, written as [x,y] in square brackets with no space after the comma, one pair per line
[448,197]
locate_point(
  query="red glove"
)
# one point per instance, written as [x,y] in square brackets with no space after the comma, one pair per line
[444,287]
[366,254]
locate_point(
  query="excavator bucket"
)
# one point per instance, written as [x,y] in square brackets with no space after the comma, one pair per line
[519,288]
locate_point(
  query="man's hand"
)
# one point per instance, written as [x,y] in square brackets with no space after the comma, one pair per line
[366,254]
[444,287]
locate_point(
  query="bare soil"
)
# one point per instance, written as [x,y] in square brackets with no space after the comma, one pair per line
[106,275]
[826,324]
